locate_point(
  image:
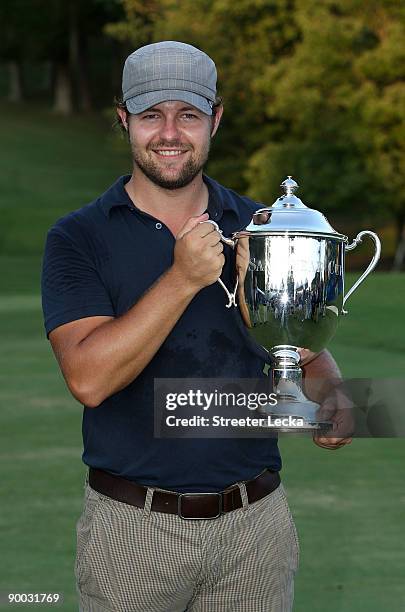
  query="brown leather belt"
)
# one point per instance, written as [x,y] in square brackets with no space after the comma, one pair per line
[185,505]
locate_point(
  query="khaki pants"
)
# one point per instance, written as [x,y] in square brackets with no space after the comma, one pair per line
[134,560]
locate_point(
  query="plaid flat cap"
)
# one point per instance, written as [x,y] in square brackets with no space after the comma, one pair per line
[169,70]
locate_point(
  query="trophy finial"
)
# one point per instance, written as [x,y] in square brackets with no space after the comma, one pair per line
[289,186]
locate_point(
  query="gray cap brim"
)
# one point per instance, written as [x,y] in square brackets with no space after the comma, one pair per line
[140,103]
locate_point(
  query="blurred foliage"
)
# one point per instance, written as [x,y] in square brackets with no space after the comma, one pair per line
[139,24]
[39,29]
[58,36]
[340,103]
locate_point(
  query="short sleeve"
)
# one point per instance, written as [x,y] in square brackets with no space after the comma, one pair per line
[71,285]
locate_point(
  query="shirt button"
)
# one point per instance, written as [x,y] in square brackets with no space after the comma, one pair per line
[158,226]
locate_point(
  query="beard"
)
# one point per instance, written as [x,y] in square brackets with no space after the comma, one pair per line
[162,176]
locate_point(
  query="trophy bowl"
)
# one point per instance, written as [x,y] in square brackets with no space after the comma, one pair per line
[290,266]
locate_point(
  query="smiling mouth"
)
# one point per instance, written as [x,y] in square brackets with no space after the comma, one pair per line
[169,152]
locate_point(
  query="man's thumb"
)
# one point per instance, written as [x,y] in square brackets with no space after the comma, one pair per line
[191,224]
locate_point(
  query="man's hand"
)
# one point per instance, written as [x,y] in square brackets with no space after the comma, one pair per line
[198,256]
[337,408]
[322,378]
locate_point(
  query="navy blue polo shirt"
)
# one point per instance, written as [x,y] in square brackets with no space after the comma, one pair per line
[99,260]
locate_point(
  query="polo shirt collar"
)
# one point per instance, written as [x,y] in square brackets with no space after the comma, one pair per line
[220,199]
[115,195]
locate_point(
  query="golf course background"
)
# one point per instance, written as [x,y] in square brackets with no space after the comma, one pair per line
[349,505]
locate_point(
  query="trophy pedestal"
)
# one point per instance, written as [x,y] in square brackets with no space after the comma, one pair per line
[291,400]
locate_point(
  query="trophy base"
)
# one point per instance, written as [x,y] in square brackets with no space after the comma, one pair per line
[294,417]
[291,400]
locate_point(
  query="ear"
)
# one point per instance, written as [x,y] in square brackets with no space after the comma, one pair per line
[122,114]
[217,120]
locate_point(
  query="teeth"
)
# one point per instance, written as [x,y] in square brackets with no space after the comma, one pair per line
[169,153]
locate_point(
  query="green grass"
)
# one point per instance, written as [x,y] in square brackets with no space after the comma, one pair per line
[49,166]
[39,458]
[349,508]
[349,505]
[370,340]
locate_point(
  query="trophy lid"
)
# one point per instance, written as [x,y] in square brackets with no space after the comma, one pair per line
[289,215]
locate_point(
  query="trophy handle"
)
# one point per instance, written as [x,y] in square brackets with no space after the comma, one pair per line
[232,243]
[371,265]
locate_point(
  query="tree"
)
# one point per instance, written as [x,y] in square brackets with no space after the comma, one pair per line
[139,23]
[71,26]
[339,103]
[382,103]
[18,23]
[56,31]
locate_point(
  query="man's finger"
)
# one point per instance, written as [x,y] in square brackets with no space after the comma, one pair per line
[214,239]
[191,224]
[331,443]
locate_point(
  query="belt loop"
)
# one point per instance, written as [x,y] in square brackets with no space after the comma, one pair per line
[243,494]
[148,503]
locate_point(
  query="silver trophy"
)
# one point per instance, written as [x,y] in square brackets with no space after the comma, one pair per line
[290,291]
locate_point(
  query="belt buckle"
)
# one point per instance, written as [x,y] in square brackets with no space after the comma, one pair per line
[199,518]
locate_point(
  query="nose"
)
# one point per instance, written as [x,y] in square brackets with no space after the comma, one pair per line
[169,129]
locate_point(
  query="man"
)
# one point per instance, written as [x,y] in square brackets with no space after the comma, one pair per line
[130,295]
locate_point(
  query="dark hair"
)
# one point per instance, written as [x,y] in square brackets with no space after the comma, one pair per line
[119,103]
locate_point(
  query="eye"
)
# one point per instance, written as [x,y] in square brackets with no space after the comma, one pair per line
[189,116]
[150,116]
